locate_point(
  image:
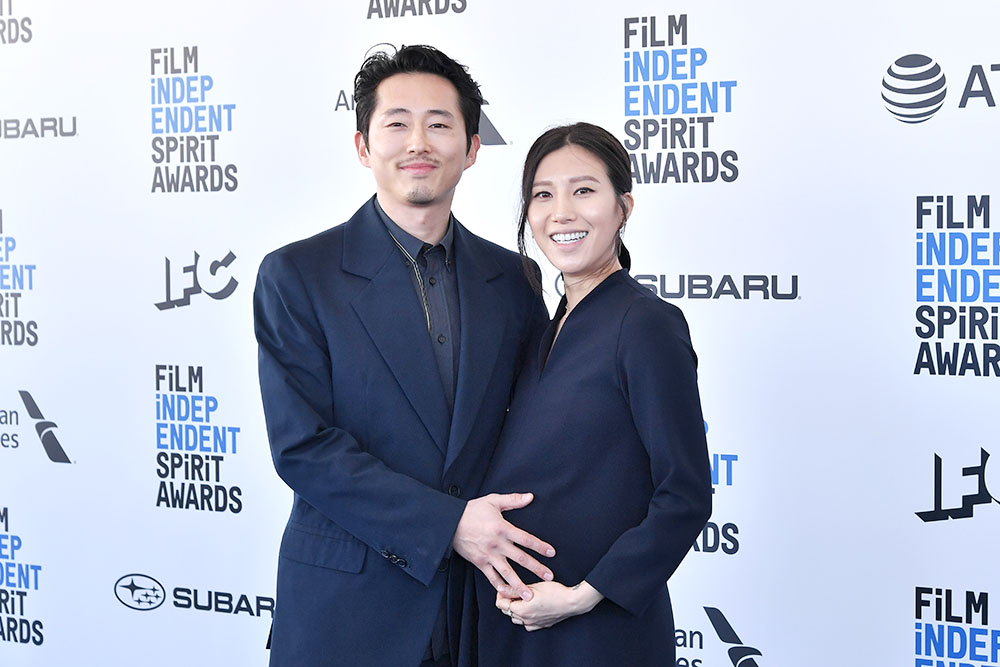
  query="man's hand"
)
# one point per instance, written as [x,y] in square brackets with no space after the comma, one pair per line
[487,540]
[551,604]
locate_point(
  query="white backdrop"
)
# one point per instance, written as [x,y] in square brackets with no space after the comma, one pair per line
[824,429]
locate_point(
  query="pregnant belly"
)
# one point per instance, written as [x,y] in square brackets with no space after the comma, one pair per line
[580,510]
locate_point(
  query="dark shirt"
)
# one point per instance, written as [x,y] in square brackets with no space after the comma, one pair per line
[437,288]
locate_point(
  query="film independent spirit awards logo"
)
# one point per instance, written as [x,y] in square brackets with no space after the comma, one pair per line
[914,88]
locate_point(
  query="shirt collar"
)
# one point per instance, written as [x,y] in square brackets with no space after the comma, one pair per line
[411,243]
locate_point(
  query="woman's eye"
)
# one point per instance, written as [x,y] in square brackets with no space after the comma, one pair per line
[583,190]
[541,195]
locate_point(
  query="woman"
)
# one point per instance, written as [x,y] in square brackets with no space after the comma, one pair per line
[605,428]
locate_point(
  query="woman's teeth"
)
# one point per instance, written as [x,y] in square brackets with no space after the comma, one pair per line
[569,237]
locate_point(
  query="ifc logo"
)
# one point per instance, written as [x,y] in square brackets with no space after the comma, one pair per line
[913,88]
[991,477]
[137,591]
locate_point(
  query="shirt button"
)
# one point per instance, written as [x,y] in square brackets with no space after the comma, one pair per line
[455,490]
[442,339]
[432,280]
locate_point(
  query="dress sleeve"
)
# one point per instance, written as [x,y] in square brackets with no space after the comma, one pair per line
[658,376]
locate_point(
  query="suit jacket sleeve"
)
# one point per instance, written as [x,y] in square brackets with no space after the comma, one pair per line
[323,464]
[657,372]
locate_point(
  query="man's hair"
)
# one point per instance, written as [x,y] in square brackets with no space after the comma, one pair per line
[416,59]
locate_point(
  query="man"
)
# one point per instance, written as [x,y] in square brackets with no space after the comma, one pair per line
[387,349]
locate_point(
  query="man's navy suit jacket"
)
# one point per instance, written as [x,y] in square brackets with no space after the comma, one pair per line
[359,429]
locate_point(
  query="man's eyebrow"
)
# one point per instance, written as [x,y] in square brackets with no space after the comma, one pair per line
[396,111]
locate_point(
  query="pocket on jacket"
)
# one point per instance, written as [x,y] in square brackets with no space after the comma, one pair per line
[345,553]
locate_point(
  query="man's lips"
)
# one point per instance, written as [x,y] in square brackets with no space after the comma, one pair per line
[418,168]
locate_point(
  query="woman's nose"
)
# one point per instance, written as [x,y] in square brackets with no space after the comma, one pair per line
[562,209]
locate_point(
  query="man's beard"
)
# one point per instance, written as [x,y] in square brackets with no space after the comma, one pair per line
[420,196]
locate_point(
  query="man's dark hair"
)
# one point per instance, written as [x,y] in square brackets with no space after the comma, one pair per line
[422,60]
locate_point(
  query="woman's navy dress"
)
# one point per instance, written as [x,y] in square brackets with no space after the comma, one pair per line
[607,431]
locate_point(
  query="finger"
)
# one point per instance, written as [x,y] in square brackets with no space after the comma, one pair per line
[500,596]
[511,501]
[516,621]
[532,628]
[528,562]
[529,541]
[504,569]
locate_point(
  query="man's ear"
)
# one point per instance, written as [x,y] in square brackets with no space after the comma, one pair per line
[362,148]
[470,158]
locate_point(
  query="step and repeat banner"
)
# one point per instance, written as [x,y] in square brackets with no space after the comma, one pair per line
[814,188]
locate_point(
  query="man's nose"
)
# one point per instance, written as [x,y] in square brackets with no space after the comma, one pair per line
[417,141]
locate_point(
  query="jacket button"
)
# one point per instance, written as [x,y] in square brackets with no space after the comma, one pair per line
[393,558]
[455,490]
[385,553]
[401,562]
[443,565]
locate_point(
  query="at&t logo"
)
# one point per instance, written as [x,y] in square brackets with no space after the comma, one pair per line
[913,88]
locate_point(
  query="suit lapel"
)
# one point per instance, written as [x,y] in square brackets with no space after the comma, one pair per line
[394,319]
[483,324]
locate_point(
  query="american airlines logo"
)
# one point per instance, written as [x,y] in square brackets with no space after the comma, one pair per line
[45,430]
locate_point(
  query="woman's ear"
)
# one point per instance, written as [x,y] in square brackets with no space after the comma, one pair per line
[628,204]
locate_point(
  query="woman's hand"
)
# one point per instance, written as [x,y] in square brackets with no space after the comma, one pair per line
[552,602]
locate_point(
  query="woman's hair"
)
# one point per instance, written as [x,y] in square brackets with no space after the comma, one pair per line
[602,145]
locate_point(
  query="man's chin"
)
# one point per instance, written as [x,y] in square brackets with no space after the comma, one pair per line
[420,197]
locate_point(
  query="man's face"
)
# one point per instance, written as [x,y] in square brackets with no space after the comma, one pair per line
[416,141]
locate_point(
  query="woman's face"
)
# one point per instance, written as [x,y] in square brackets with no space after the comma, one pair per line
[574,215]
